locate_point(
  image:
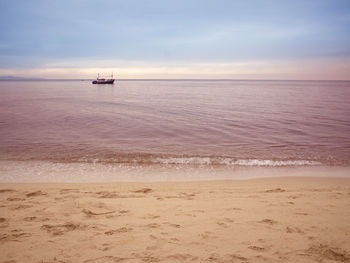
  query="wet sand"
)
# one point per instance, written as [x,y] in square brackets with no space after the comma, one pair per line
[287,219]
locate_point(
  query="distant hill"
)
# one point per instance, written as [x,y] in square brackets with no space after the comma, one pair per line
[18,78]
[13,78]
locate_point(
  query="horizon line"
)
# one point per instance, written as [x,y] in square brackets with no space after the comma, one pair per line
[11,78]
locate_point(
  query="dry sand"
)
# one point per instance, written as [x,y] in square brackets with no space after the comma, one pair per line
[262,220]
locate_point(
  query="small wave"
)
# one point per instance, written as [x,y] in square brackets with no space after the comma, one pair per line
[233,162]
[276,163]
[185,160]
[139,159]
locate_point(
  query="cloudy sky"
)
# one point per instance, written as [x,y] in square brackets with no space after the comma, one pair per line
[263,39]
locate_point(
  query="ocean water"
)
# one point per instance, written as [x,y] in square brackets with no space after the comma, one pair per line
[76,128]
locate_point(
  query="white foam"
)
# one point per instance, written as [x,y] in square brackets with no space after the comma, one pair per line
[185,160]
[255,162]
[44,171]
[233,162]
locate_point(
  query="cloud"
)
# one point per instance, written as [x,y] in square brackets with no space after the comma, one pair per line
[273,69]
[43,34]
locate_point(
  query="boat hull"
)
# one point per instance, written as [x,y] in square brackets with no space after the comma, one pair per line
[107,81]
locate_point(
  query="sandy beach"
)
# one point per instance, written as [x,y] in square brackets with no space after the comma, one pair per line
[287,219]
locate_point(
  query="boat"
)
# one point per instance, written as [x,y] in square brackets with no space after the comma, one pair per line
[100,80]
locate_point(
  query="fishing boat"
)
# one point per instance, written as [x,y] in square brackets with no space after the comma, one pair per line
[102,80]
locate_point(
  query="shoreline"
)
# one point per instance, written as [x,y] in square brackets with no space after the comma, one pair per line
[48,172]
[273,179]
[284,219]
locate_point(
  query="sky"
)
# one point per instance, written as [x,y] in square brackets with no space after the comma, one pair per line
[250,39]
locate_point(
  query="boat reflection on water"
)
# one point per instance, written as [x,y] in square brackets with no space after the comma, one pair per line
[102,80]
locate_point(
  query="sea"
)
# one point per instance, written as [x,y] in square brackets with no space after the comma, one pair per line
[164,130]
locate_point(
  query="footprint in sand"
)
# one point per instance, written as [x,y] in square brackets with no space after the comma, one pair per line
[104,259]
[188,196]
[145,257]
[68,191]
[105,247]
[185,196]
[4,222]
[16,235]
[182,257]
[116,215]
[36,193]
[108,194]
[205,235]
[256,248]
[293,196]
[187,214]
[30,218]
[143,191]
[322,252]
[89,213]
[57,230]
[172,225]
[15,199]
[198,211]
[20,207]
[226,258]
[234,209]
[222,224]
[276,190]
[268,221]
[236,257]
[152,247]
[150,217]
[119,230]
[2,191]
[301,213]
[213,257]
[153,225]
[297,230]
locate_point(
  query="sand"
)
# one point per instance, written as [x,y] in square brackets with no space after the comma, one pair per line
[291,219]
